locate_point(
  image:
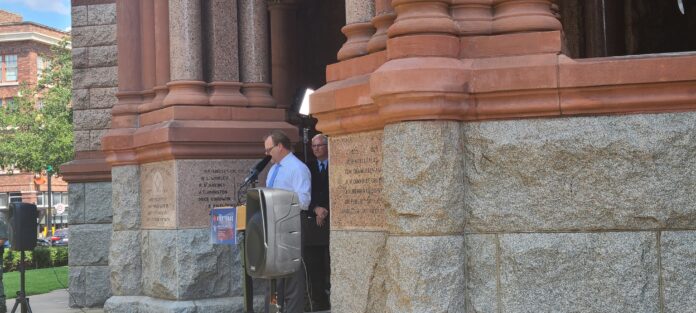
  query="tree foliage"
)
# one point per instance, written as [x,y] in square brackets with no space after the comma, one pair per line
[36,130]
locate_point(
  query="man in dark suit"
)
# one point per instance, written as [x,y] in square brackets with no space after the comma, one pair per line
[317,226]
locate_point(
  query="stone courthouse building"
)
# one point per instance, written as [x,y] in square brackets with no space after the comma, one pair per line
[487,155]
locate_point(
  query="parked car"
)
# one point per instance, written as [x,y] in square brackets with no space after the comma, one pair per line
[41,242]
[60,237]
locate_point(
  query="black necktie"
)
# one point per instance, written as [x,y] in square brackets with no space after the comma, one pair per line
[321,167]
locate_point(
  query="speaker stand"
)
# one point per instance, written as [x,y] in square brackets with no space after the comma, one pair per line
[21,294]
[273,305]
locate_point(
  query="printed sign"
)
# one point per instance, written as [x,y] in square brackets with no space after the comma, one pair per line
[223,226]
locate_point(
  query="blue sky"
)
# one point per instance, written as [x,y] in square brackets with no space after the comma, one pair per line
[53,13]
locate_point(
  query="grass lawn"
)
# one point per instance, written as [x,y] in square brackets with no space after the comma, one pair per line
[36,281]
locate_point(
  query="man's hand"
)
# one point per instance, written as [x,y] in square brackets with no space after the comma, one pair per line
[321,213]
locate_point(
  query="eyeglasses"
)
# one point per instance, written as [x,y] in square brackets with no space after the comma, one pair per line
[268,150]
[320,145]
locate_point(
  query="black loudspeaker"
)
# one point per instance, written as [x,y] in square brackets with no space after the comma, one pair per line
[23,226]
[273,233]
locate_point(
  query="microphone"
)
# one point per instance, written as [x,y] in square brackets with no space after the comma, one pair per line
[254,172]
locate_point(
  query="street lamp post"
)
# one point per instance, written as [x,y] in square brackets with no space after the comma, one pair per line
[49,228]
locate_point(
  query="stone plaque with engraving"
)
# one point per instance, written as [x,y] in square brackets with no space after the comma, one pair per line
[179,194]
[158,195]
[356,182]
[205,184]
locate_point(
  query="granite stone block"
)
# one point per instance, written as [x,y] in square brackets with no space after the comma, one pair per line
[76,198]
[91,36]
[124,304]
[92,119]
[425,175]
[103,56]
[89,244]
[135,304]
[205,270]
[79,16]
[679,270]
[76,285]
[126,197]
[81,139]
[628,172]
[80,57]
[80,98]
[184,265]
[125,263]
[579,272]
[98,202]
[97,285]
[101,14]
[481,273]
[425,274]
[102,98]
[95,137]
[358,271]
[95,77]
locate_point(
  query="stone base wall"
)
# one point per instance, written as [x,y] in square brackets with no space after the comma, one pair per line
[590,214]
[168,264]
[90,239]
[585,214]
[137,304]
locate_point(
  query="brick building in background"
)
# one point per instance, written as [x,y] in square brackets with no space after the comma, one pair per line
[22,45]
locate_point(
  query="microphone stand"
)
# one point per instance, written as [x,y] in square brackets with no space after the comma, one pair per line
[248,287]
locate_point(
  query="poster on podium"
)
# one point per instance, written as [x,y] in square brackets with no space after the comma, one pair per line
[223,226]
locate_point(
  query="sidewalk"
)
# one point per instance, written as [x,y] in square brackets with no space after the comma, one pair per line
[54,302]
[57,302]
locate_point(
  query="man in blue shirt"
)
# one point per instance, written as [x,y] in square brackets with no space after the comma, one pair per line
[289,173]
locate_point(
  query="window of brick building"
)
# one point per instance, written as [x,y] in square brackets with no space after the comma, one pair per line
[8,103]
[9,68]
[40,66]
[15,197]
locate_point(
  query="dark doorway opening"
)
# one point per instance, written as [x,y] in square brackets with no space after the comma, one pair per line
[600,28]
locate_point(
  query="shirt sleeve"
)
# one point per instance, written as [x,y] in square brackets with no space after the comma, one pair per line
[302,184]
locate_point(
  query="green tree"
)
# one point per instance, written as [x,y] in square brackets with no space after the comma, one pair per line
[36,130]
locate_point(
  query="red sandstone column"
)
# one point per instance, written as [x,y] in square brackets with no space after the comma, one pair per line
[384,17]
[161,26]
[117,143]
[254,53]
[473,17]
[358,29]
[514,16]
[283,33]
[147,51]
[422,28]
[186,54]
[124,113]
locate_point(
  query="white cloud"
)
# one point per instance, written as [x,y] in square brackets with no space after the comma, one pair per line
[61,7]
[67,29]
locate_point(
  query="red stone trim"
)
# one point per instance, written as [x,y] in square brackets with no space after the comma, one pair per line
[90,2]
[191,139]
[505,88]
[224,113]
[88,166]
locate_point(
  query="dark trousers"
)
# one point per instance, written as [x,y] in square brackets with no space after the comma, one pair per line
[290,293]
[318,271]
